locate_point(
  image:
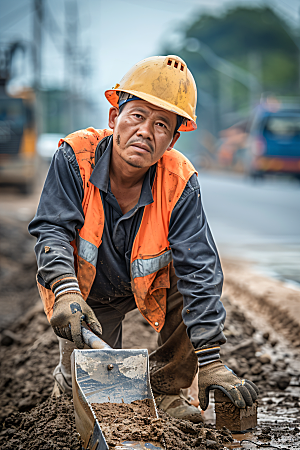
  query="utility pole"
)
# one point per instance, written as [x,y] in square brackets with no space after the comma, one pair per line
[38,15]
[37,41]
[71,62]
[299,45]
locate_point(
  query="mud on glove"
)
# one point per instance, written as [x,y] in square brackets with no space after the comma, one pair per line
[216,375]
[69,311]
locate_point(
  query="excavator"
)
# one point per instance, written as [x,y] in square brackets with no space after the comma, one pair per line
[18,134]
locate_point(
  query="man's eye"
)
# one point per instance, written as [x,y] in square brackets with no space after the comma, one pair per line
[138,116]
[160,124]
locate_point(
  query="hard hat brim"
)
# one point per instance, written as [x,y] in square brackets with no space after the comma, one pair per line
[113,98]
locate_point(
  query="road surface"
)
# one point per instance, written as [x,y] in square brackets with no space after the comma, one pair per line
[256,221]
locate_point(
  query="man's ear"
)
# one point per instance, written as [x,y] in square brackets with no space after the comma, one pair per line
[173,142]
[112,117]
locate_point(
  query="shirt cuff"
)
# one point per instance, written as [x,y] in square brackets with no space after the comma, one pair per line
[208,354]
[65,285]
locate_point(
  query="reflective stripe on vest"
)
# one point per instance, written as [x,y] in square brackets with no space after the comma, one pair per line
[87,250]
[144,267]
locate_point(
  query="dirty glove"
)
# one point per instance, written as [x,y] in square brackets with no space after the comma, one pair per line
[216,375]
[69,311]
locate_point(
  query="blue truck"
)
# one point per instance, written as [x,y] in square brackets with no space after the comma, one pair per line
[274,143]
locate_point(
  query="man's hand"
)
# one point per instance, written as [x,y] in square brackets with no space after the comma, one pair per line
[218,376]
[68,313]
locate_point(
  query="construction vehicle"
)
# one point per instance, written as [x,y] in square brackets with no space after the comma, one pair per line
[274,141]
[18,157]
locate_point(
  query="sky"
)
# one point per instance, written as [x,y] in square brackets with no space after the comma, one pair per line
[111,35]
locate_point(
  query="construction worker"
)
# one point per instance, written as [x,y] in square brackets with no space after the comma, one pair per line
[120,225]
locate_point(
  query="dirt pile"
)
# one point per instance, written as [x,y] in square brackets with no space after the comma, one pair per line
[185,435]
[49,426]
[264,297]
[29,353]
[128,422]
[134,422]
[253,354]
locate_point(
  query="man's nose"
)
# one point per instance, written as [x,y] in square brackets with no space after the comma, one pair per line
[146,130]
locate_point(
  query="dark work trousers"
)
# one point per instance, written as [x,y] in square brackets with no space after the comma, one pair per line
[173,365]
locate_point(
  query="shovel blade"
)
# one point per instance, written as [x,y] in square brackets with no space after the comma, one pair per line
[115,376]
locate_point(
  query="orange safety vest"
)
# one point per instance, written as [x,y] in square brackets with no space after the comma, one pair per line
[151,254]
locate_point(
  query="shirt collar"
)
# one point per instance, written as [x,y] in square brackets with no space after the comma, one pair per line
[146,196]
[100,176]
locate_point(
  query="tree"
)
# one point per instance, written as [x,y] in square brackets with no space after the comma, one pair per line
[255,39]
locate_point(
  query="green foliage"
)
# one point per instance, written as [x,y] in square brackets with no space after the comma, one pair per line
[280,72]
[244,29]
[255,39]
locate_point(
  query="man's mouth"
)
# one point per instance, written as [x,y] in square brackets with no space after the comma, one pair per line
[142,147]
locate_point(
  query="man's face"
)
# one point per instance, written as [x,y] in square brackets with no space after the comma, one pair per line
[142,132]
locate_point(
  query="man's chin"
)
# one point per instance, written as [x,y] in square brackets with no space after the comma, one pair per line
[138,163]
[135,164]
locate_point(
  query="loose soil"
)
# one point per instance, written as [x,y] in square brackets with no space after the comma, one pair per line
[262,346]
[50,425]
[128,422]
[135,422]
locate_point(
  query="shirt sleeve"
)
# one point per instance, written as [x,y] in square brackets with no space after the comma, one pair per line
[197,265]
[58,216]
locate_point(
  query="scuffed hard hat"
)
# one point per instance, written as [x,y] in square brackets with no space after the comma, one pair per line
[164,81]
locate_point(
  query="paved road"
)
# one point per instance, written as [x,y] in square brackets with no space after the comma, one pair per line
[256,221]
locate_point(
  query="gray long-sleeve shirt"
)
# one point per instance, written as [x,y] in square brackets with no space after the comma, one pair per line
[195,256]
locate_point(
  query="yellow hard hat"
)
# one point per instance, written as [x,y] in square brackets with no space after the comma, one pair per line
[164,81]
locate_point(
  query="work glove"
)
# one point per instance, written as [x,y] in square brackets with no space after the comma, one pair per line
[69,311]
[216,375]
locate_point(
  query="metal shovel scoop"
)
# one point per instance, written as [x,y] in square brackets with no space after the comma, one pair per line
[101,375]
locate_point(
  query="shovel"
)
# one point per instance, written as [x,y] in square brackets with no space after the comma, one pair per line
[102,374]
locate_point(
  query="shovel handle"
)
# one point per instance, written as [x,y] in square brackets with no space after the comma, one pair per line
[93,341]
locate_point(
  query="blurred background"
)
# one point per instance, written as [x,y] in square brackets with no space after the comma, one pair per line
[57,57]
